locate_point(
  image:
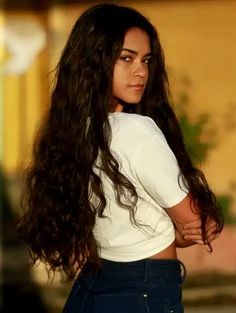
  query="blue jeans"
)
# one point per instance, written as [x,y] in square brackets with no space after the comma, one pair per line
[146,286]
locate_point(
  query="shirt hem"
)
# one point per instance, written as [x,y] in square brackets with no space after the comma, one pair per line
[136,257]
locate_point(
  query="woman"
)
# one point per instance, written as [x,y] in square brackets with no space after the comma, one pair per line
[111,191]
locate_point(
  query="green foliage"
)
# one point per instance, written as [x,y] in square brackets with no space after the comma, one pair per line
[199,142]
[225,201]
[193,131]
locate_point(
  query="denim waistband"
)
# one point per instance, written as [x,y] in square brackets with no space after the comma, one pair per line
[146,268]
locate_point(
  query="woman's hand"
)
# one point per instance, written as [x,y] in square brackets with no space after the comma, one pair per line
[192,231]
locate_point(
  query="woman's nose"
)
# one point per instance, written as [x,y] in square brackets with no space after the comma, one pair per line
[140,69]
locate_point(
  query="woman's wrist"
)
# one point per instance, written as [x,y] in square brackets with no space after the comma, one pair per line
[180,242]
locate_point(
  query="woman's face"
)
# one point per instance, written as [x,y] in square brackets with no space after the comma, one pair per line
[131,68]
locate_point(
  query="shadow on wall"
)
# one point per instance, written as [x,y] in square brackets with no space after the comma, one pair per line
[18,291]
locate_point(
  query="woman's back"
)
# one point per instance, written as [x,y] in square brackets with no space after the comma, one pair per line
[146,160]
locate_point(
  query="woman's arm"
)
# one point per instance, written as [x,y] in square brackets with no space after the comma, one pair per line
[188,224]
[156,168]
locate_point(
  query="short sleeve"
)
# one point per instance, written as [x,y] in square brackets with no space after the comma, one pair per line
[156,168]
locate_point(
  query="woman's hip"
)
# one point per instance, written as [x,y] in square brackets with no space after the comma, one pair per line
[141,286]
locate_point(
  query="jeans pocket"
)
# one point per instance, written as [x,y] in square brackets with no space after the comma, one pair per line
[121,303]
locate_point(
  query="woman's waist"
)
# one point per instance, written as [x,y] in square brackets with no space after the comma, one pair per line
[167,253]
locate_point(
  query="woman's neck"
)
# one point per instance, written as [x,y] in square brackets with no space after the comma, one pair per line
[118,108]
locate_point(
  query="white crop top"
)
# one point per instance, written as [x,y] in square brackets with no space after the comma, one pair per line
[146,160]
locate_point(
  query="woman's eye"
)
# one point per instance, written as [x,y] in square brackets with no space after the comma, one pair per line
[146,61]
[126,58]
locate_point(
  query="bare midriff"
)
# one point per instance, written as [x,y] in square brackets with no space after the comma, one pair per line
[168,253]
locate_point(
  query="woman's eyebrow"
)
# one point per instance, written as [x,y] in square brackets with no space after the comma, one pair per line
[135,52]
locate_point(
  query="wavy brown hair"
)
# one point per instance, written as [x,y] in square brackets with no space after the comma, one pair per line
[59,217]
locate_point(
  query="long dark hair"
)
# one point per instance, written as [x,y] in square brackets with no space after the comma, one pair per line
[59,217]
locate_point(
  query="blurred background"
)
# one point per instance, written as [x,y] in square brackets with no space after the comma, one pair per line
[199,41]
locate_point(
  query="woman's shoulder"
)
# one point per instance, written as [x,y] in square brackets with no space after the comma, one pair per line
[132,131]
[131,123]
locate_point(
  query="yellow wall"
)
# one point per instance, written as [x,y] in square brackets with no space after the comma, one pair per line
[198,38]
[1,84]
[25,99]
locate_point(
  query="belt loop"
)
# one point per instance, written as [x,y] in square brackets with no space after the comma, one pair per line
[146,268]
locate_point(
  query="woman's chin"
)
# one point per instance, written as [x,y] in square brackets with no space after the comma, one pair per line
[133,101]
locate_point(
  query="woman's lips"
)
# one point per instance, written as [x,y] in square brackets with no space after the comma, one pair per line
[137,87]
